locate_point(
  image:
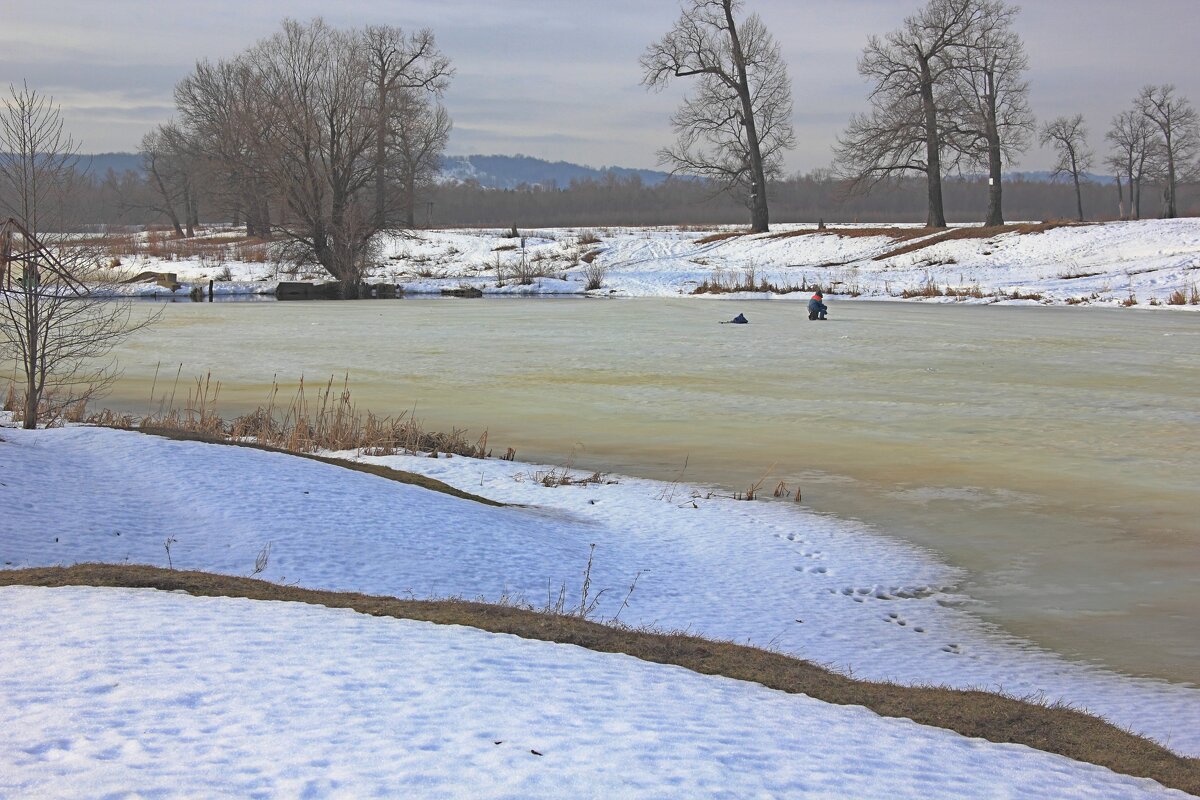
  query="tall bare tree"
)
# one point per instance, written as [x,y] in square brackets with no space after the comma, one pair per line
[735,127]
[1178,137]
[302,118]
[53,321]
[418,132]
[224,110]
[175,170]
[907,129]
[1068,137]
[404,69]
[990,115]
[1133,143]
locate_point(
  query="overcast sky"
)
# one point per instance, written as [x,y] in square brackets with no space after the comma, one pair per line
[559,79]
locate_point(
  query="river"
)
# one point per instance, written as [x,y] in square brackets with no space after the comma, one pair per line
[1051,453]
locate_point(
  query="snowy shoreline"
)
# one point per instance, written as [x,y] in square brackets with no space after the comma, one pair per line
[1145,264]
[771,574]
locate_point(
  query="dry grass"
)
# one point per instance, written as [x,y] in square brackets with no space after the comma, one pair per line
[1052,728]
[165,245]
[328,421]
[895,234]
[956,234]
[720,237]
[930,289]
[721,282]
[594,275]
[1179,297]
[399,476]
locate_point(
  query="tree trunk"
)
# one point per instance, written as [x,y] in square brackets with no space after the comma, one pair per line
[189,212]
[936,217]
[760,218]
[995,214]
[1078,195]
[32,355]
[1170,193]
[1121,198]
[410,201]
[381,154]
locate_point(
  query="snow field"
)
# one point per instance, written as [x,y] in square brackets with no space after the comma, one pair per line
[152,694]
[769,573]
[1101,264]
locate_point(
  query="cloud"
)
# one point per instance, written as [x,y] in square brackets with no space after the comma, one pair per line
[560,79]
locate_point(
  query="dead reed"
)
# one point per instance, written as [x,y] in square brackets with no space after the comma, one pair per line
[330,420]
[721,282]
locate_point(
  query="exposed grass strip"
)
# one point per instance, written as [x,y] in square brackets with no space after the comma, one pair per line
[399,476]
[895,234]
[1051,728]
[955,234]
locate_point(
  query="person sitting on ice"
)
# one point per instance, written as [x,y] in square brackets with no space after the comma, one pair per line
[817,307]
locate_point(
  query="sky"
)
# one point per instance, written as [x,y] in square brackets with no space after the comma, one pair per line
[559,79]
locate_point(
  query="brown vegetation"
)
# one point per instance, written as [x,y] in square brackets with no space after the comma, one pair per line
[165,245]
[895,234]
[720,237]
[1053,728]
[330,422]
[955,234]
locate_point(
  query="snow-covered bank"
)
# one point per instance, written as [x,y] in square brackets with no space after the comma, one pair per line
[1144,264]
[140,693]
[769,573]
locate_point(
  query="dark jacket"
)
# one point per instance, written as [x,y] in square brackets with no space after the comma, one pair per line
[816,306]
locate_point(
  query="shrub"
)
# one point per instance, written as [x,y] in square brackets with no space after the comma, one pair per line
[594,273]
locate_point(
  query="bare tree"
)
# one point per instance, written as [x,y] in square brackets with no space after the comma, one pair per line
[53,321]
[224,111]
[1133,143]
[737,124]
[312,77]
[419,130]
[1178,137]
[174,169]
[907,128]
[1068,137]
[301,118]
[404,70]
[991,121]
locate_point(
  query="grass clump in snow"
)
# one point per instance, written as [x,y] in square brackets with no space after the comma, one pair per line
[1051,727]
[594,274]
[1179,297]
[721,282]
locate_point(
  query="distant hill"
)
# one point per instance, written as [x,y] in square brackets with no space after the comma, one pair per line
[99,164]
[509,172]
[493,172]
